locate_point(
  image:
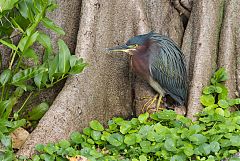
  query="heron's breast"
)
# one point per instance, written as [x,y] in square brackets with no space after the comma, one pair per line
[140,65]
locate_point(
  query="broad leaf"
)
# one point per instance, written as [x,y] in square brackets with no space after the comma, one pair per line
[53,68]
[37,112]
[30,53]
[64,57]
[6,107]
[143,117]
[45,41]
[7,4]
[198,139]
[5,76]
[207,100]
[76,137]
[115,139]
[26,74]
[51,25]
[28,41]
[25,7]
[95,125]
[12,46]
[78,68]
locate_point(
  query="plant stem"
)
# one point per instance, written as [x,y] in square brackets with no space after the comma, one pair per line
[13,58]
[24,103]
[3,88]
[60,79]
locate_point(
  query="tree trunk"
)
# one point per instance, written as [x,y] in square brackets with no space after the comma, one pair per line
[107,88]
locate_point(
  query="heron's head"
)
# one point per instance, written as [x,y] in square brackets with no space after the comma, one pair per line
[133,43]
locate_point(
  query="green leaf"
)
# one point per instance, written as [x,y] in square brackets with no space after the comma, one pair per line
[36,158]
[96,135]
[37,112]
[144,130]
[51,25]
[215,146]
[143,117]
[208,89]
[235,140]
[170,145]
[87,131]
[188,149]
[130,139]
[16,25]
[7,4]
[180,157]
[73,60]
[220,75]
[6,107]
[24,8]
[115,139]
[223,103]
[47,157]
[167,115]
[64,144]
[77,68]
[64,57]
[39,147]
[26,74]
[196,128]
[38,80]
[224,94]
[53,67]
[5,76]
[45,41]
[76,137]
[18,92]
[12,46]
[204,149]
[30,53]
[125,127]
[27,41]
[234,159]
[219,111]
[105,135]
[198,139]
[207,100]
[146,146]
[6,141]
[50,148]
[142,158]
[95,125]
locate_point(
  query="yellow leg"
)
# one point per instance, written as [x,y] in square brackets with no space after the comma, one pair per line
[148,104]
[159,102]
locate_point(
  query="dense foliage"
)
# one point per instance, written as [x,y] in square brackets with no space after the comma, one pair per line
[159,136]
[19,21]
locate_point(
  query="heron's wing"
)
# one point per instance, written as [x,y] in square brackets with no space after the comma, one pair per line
[167,67]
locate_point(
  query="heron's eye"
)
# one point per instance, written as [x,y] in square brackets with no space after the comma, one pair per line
[133,46]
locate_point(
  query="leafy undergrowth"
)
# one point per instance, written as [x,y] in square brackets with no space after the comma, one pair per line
[28,66]
[159,136]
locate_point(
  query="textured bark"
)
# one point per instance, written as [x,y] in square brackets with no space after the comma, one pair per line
[108,87]
[227,53]
[207,19]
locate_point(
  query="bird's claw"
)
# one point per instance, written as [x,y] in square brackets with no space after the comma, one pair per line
[146,107]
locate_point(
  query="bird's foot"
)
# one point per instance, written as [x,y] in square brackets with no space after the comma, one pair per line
[147,106]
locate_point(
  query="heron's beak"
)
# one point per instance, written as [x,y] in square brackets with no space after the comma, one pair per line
[122,48]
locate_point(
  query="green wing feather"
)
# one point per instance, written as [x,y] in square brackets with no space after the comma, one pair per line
[167,67]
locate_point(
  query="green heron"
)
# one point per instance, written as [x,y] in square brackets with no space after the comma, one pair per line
[159,61]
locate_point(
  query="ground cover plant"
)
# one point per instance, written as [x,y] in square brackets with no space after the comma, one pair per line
[164,135]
